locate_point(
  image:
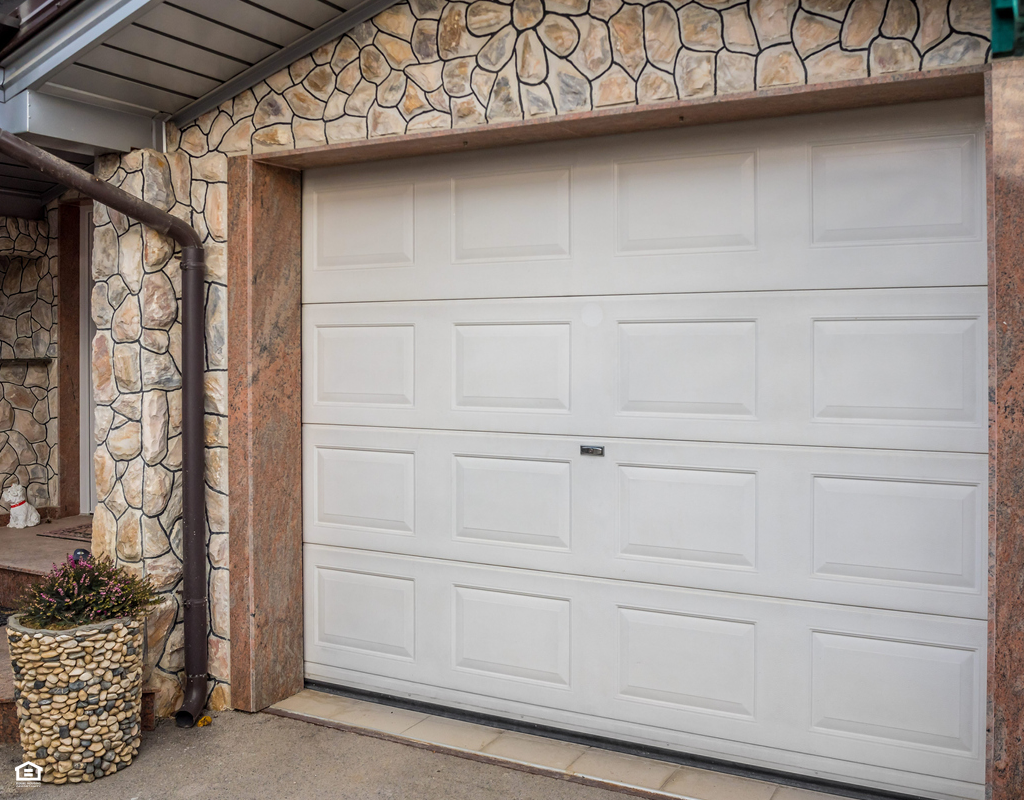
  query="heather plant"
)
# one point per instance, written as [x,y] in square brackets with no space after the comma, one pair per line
[79,592]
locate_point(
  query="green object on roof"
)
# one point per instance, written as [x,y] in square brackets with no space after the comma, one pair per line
[1007,28]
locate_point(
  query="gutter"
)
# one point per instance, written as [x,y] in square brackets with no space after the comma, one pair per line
[193,263]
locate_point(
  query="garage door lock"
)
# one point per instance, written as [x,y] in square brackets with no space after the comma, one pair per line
[591,450]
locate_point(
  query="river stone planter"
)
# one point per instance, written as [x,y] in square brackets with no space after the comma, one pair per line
[79,697]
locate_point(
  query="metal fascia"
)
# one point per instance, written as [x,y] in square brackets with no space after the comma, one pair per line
[73,126]
[283,58]
[82,29]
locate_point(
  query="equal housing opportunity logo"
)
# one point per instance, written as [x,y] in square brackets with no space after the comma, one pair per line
[27,775]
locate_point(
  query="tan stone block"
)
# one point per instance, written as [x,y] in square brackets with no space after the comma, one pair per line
[154,540]
[104,532]
[125,442]
[604,9]
[558,34]
[695,74]
[701,28]
[772,20]
[168,694]
[129,260]
[812,34]
[126,324]
[531,62]
[570,7]
[103,418]
[397,52]
[359,102]
[424,40]
[217,469]
[320,82]
[527,13]
[156,176]
[485,17]
[614,88]
[220,602]
[426,76]
[346,129]
[467,111]
[661,35]
[345,53]
[900,20]
[432,120]
[779,66]
[127,374]
[738,31]
[164,571]
[104,467]
[223,123]
[456,77]
[155,420]
[836,9]
[627,35]
[498,51]
[398,20]
[655,86]
[862,23]
[129,535]
[129,406]
[104,252]
[272,110]
[220,655]
[193,141]
[934,24]
[335,106]
[300,69]
[504,103]
[958,50]
[971,16]
[569,88]
[426,9]
[275,137]
[893,55]
[384,122]
[391,91]
[308,132]
[131,483]
[593,56]
[453,37]
[159,305]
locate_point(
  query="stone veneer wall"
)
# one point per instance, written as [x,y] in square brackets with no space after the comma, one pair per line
[28,329]
[421,65]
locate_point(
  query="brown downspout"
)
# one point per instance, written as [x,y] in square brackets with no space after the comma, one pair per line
[193,260]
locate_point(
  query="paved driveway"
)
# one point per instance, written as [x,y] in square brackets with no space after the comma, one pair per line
[249,756]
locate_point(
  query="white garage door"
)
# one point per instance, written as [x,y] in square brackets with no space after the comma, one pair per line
[777,331]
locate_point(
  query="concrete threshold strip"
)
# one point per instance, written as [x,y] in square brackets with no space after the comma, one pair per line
[563,760]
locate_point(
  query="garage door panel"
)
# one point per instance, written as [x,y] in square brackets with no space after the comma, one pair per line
[855,200]
[863,369]
[888,690]
[888,529]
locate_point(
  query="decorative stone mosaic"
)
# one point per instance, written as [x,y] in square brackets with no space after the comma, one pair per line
[79,697]
[136,360]
[427,65]
[28,330]
[419,66]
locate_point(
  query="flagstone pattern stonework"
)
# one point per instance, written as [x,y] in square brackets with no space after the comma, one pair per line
[28,330]
[136,359]
[419,66]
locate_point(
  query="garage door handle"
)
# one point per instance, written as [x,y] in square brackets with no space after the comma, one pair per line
[591,450]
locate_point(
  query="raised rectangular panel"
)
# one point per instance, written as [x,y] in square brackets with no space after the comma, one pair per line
[691,203]
[365,364]
[922,533]
[511,635]
[365,227]
[908,370]
[517,216]
[688,368]
[699,663]
[703,516]
[366,612]
[517,367]
[896,190]
[365,489]
[513,501]
[902,692]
